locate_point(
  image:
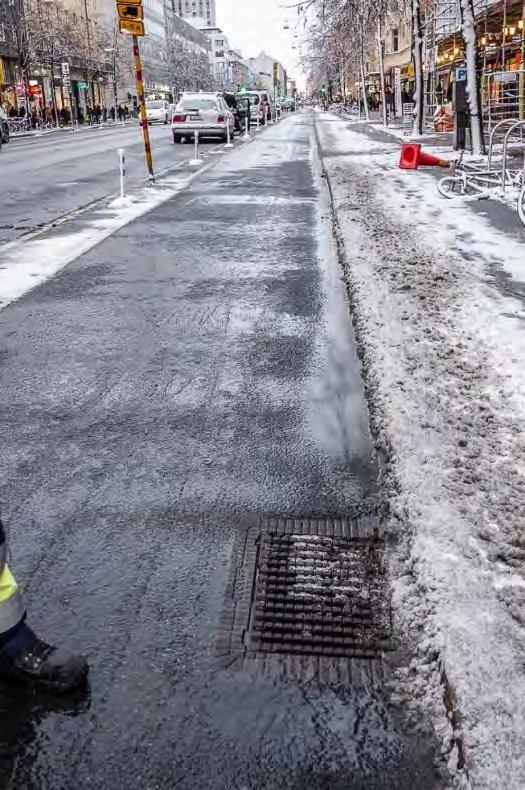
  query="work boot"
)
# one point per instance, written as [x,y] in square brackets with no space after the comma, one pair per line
[25,658]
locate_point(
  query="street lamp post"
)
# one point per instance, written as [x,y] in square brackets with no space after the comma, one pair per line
[113,50]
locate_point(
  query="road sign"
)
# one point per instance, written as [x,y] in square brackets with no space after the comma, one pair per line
[131,26]
[130,11]
[461,74]
[65,69]
[275,73]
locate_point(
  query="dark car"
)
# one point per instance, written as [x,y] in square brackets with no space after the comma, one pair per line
[4,127]
[238,110]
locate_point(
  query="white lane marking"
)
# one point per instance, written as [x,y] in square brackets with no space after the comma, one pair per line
[29,262]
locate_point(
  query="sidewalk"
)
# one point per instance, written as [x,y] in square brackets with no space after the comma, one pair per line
[437,290]
[33,133]
[501,216]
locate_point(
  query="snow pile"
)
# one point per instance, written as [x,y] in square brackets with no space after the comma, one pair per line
[441,333]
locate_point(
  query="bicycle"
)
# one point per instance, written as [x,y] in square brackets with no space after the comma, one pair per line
[17,125]
[491,179]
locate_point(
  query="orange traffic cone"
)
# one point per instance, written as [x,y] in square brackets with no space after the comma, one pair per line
[412,157]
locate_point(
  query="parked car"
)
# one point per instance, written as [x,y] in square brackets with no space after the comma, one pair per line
[4,127]
[257,107]
[206,113]
[245,109]
[157,111]
[238,109]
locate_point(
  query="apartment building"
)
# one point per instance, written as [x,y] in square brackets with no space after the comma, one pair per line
[199,13]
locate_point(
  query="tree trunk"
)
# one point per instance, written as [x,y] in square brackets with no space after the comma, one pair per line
[468,30]
[382,72]
[53,93]
[417,52]
[363,88]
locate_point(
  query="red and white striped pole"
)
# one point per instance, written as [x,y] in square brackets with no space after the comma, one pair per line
[142,106]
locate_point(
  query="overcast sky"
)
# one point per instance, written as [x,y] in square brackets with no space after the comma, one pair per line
[253,25]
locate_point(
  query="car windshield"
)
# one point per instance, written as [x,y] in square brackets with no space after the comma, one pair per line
[155,105]
[197,103]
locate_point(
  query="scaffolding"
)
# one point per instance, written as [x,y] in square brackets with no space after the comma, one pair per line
[501,38]
[442,20]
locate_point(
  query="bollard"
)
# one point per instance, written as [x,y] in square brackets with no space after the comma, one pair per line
[122,168]
[247,129]
[229,143]
[196,161]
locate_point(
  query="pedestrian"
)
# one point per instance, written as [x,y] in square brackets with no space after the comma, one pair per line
[120,112]
[104,114]
[23,656]
[89,114]
[112,113]
[80,115]
[97,113]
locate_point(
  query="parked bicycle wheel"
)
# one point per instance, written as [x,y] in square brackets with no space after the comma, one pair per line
[521,204]
[451,186]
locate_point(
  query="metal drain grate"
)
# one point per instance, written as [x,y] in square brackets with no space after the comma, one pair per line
[307,585]
[319,596]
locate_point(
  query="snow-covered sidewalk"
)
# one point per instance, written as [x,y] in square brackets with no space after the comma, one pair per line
[439,311]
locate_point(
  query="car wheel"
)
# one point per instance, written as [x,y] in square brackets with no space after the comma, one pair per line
[6,134]
[176,138]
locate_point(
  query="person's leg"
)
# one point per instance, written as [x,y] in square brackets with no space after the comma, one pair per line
[23,656]
[11,605]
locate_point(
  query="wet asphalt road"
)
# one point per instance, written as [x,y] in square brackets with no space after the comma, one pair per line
[196,366]
[43,178]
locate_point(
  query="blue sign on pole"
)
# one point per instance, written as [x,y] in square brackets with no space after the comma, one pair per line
[461,74]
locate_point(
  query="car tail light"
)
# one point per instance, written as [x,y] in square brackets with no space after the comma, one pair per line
[221,119]
[179,118]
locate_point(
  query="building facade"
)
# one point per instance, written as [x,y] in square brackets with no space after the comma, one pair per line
[199,13]
[220,55]
[262,68]
[189,56]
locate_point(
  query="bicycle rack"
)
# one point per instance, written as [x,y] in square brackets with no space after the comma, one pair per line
[515,125]
[493,134]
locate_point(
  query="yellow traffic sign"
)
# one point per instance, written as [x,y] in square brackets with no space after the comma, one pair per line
[130,11]
[131,26]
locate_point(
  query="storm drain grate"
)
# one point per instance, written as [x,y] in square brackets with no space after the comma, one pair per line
[318,596]
[308,586]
